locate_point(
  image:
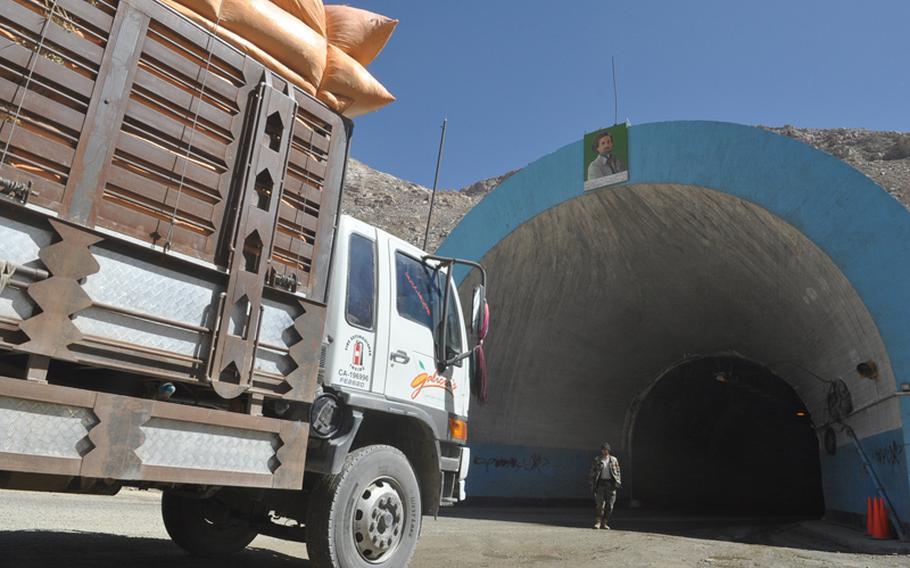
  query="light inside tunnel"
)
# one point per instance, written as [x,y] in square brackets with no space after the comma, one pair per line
[741,446]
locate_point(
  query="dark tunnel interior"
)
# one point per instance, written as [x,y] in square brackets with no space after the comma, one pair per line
[725,435]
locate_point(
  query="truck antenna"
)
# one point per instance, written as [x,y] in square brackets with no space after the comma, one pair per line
[442,143]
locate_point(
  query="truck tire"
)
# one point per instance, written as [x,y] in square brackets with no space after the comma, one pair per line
[366,516]
[204,527]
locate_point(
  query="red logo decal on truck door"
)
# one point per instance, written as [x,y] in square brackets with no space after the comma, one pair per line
[357,360]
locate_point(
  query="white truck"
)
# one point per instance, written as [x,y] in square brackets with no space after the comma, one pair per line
[182,307]
[398,376]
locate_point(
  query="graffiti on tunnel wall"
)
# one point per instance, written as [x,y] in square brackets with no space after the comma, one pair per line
[500,470]
[534,462]
[890,454]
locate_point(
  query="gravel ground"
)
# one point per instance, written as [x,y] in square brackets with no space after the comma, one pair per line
[54,530]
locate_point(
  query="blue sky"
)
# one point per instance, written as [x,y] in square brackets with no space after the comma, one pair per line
[517,80]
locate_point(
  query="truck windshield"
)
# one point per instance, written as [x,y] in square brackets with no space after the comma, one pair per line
[453,333]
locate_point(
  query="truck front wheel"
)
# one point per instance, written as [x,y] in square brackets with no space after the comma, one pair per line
[368,515]
[204,527]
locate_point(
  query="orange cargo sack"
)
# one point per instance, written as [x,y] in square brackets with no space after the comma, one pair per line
[311,12]
[349,88]
[278,33]
[206,8]
[246,47]
[284,42]
[359,33]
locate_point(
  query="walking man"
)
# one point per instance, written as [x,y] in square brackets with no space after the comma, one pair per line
[605,480]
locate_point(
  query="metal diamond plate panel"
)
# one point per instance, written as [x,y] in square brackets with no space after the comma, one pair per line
[21,242]
[200,446]
[277,324]
[128,282]
[16,304]
[42,429]
[109,325]
[275,363]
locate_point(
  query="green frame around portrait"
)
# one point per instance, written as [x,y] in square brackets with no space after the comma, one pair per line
[620,134]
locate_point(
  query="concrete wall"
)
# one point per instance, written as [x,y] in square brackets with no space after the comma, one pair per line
[784,254]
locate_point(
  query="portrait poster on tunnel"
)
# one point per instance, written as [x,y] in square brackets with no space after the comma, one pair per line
[606,157]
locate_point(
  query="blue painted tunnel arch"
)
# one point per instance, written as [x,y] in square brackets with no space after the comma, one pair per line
[856,223]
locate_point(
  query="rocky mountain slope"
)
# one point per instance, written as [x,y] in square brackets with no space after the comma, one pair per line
[882,156]
[400,207]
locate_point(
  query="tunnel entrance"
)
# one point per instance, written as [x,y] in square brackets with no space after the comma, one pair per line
[597,297]
[725,435]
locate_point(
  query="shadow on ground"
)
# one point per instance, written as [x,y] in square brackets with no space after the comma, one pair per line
[47,549]
[789,532]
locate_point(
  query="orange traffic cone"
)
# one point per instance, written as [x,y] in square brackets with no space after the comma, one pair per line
[880,526]
[869,516]
[883,519]
[876,524]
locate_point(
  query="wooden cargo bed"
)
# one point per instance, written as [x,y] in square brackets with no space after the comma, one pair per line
[167,212]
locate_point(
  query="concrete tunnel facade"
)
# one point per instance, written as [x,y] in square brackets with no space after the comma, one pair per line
[739,291]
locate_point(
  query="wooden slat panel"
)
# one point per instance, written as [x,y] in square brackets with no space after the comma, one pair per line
[311,110]
[297,217]
[177,133]
[87,12]
[306,162]
[299,184]
[130,221]
[42,86]
[191,73]
[179,28]
[136,203]
[29,20]
[161,196]
[184,100]
[293,247]
[50,71]
[300,190]
[36,144]
[141,177]
[307,136]
[169,161]
[43,106]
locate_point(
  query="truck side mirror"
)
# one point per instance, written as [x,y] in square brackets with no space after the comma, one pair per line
[480,325]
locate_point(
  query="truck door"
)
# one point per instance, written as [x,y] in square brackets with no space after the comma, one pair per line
[414,311]
[352,319]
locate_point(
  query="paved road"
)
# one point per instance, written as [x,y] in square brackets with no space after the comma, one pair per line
[55,531]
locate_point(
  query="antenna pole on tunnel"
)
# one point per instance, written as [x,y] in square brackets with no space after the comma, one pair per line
[615,92]
[442,143]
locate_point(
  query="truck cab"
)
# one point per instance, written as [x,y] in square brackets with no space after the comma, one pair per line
[389,424]
[383,362]
[381,324]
